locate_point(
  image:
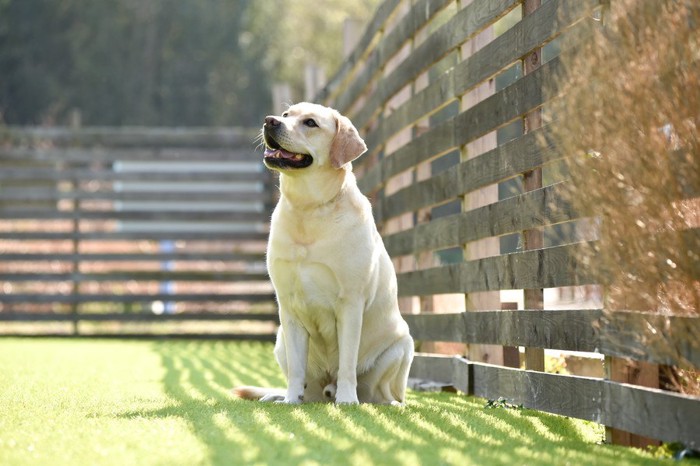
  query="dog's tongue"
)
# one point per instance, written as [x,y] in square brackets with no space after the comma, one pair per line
[278,153]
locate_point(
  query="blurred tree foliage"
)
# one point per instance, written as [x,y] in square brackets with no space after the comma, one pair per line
[161,62]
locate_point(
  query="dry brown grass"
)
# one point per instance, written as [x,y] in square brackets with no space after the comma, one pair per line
[629,118]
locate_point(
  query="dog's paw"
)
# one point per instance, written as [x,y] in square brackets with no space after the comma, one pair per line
[291,400]
[346,400]
[272,398]
[346,394]
[288,401]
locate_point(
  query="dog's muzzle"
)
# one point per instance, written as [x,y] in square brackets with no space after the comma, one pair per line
[276,156]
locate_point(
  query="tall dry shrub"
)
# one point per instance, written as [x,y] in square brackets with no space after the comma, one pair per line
[629,117]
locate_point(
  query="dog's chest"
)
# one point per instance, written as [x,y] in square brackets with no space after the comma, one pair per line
[308,292]
[302,264]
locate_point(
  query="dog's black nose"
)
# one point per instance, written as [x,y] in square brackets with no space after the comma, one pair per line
[271,121]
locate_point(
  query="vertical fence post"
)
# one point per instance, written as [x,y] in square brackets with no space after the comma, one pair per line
[433,303]
[404,221]
[484,300]
[281,97]
[314,79]
[635,373]
[75,123]
[532,180]
[352,30]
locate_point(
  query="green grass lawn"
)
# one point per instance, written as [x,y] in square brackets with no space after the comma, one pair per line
[98,402]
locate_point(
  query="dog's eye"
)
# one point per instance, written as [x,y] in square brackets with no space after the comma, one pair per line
[310,123]
[285,114]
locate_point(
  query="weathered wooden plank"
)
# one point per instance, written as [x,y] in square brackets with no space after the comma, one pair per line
[170,275]
[130,136]
[460,28]
[532,31]
[642,336]
[271,337]
[44,194]
[437,327]
[531,210]
[134,235]
[510,103]
[140,257]
[571,330]
[75,155]
[135,215]
[670,417]
[542,268]
[651,337]
[578,397]
[135,317]
[134,298]
[440,233]
[43,174]
[436,368]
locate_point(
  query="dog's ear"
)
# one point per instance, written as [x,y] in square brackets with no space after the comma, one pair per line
[347,144]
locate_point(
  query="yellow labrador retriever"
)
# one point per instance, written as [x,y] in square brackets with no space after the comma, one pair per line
[341,337]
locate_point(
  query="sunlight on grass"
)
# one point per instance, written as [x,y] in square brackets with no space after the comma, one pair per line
[127,402]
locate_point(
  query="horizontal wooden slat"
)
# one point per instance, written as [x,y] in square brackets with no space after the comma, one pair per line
[182,255]
[530,210]
[133,298]
[543,268]
[578,397]
[654,338]
[134,235]
[44,174]
[271,337]
[571,330]
[244,153]
[540,268]
[497,110]
[438,368]
[532,31]
[171,275]
[133,317]
[131,136]
[135,215]
[52,195]
[651,337]
[670,417]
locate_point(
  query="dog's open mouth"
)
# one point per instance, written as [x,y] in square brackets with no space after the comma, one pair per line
[277,157]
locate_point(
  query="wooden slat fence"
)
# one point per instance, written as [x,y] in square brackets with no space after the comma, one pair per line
[451,97]
[134,232]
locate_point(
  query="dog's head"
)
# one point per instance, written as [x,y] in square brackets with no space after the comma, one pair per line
[310,135]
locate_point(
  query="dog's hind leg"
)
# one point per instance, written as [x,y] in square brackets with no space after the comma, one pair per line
[386,380]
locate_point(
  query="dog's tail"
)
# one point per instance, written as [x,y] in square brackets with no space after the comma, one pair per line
[259,393]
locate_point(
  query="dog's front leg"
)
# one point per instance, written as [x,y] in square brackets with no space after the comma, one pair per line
[297,349]
[349,327]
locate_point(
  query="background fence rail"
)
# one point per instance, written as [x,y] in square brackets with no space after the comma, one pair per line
[129,231]
[453,100]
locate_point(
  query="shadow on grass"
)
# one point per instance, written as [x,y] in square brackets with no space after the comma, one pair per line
[432,428]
